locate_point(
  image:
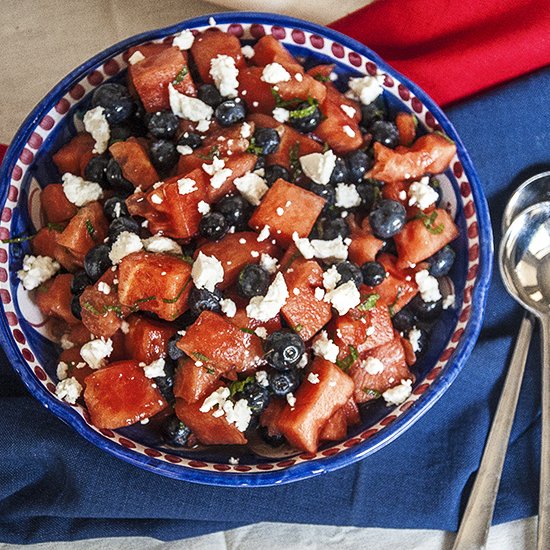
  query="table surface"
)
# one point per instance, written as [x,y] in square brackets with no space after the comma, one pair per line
[28,48]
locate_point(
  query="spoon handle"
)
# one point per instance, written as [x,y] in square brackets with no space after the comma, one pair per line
[476,521]
[543,535]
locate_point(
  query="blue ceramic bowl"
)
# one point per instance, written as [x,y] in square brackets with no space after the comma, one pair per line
[28,167]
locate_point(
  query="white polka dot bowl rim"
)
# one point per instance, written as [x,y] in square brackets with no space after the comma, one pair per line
[26,168]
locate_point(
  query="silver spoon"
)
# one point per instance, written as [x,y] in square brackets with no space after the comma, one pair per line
[477,518]
[525,261]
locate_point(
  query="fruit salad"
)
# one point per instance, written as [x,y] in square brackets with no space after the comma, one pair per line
[241,245]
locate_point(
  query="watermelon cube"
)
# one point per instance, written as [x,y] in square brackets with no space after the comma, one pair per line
[134,161]
[70,156]
[147,339]
[55,205]
[194,382]
[53,298]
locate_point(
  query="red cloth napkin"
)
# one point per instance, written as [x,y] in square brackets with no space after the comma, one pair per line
[455,48]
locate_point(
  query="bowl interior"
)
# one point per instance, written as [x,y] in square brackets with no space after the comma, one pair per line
[26,333]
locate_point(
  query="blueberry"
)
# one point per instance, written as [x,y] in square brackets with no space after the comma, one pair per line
[79,283]
[116,100]
[209,94]
[268,139]
[371,113]
[283,349]
[119,133]
[230,112]
[419,340]
[201,299]
[426,311]
[306,117]
[283,382]
[369,192]
[326,192]
[235,210]
[115,207]
[175,432]
[119,225]
[340,173]
[275,440]
[116,180]
[373,273]
[172,349]
[164,155]
[97,261]
[190,140]
[213,226]
[358,163]
[387,219]
[96,170]
[332,228]
[389,247]
[404,320]
[163,124]
[76,308]
[166,383]
[442,261]
[260,163]
[349,272]
[274,172]
[253,281]
[385,133]
[257,397]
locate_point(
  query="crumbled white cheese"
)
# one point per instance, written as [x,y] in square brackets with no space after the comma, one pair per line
[207,272]
[402,195]
[217,171]
[372,365]
[79,191]
[348,130]
[318,166]
[281,114]
[156,199]
[280,211]
[96,351]
[335,250]
[203,207]
[449,301]
[313,378]
[296,291]
[62,370]
[238,413]
[65,343]
[264,234]
[261,378]
[215,400]
[366,89]
[124,327]
[347,196]
[186,186]
[155,369]
[104,288]
[261,332]
[228,307]
[136,57]
[246,130]
[203,125]
[398,394]
[274,73]
[414,338]
[303,361]
[184,150]
[269,263]
[428,286]
[324,347]
[344,297]
[96,124]
[291,400]
[126,243]
[248,52]
[211,21]
[184,40]
[348,109]
[299,77]
[36,270]
[319,294]
[224,73]
[264,308]
[252,187]
[188,108]
[69,390]
[161,245]
[233,461]
[421,194]
[331,278]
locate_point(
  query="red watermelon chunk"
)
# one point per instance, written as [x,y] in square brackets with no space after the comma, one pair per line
[70,157]
[194,382]
[337,425]
[269,50]
[54,297]
[256,92]
[134,161]
[55,205]
[147,339]
[120,395]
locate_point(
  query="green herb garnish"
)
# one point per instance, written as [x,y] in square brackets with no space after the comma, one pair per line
[55,226]
[371,393]
[178,296]
[247,330]
[90,228]
[188,259]
[214,151]
[181,75]
[322,78]
[369,302]
[90,307]
[391,307]
[285,104]
[294,256]
[200,357]
[295,167]
[20,239]
[305,111]
[298,327]
[348,361]
[238,385]
[429,223]
[253,148]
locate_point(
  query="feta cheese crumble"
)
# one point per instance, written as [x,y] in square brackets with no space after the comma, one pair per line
[344,297]
[261,378]
[366,89]
[136,57]
[96,124]
[233,461]
[126,243]
[269,263]
[264,234]
[246,130]
[313,378]
[335,250]
[62,370]
[291,400]
[188,108]
[398,394]
[261,332]
[184,40]
[36,270]
[228,307]
[217,171]
[79,191]
[421,194]
[238,413]
[449,301]
[155,369]
[319,293]
[224,73]
[331,278]
[96,351]
[428,286]
[348,109]
[65,343]
[264,308]
[252,187]
[414,338]
[324,347]
[281,114]
[347,196]
[186,186]
[104,288]
[207,272]
[162,245]
[274,73]
[372,365]
[184,150]
[348,130]
[248,52]
[203,207]
[318,166]
[69,390]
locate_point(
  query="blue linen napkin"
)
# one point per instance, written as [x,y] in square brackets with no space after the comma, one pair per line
[56,486]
